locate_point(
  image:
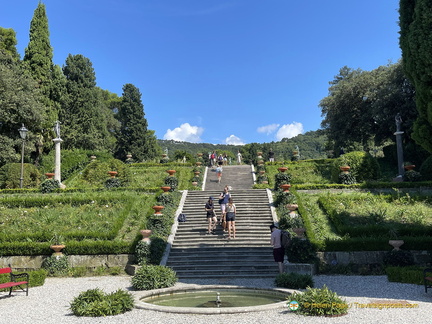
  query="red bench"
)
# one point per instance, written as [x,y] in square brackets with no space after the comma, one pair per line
[14,280]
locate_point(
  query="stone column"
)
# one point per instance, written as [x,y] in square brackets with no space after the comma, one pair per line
[57,169]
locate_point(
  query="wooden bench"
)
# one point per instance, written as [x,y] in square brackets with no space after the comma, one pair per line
[14,280]
[427,277]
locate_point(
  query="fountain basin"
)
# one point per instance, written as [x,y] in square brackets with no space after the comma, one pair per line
[198,299]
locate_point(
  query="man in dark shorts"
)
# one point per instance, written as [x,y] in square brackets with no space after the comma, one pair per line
[278,250]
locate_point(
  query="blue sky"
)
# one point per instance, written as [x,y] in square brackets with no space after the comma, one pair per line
[219,71]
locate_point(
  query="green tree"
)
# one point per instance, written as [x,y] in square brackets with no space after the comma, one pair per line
[38,60]
[361,107]
[19,104]
[8,42]
[84,114]
[415,21]
[134,137]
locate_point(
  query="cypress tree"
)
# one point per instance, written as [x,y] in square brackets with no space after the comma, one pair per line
[134,137]
[84,112]
[415,21]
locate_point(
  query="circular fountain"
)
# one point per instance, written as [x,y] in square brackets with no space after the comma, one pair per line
[212,299]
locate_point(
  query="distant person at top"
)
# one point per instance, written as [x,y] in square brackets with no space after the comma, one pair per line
[271,156]
[239,157]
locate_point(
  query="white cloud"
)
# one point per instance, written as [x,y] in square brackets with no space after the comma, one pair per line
[233,140]
[289,130]
[185,133]
[268,129]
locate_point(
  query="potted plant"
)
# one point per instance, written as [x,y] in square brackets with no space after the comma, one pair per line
[57,244]
[395,241]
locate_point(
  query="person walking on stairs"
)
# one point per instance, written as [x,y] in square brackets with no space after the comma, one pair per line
[230,218]
[211,216]
[278,249]
[223,200]
[219,172]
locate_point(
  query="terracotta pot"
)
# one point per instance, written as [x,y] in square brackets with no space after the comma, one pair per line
[295,152]
[396,244]
[158,209]
[128,156]
[264,182]
[345,168]
[171,172]
[57,248]
[259,153]
[146,234]
[198,163]
[199,154]
[292,207]
[409,167]
[194,183]
[165,188]
[93,157]
[285,187]
[299,231]
[282,169]
[50,175]
[197,173]
[112,173]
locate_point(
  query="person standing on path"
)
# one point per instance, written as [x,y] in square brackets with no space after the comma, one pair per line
[211,216]
[219,172]
[230,218]
[239,157]
[278,249]
[223,200]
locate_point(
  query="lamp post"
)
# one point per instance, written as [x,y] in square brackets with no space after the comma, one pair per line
[23,133]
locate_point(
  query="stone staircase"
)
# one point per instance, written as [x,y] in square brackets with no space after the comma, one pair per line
[194,254]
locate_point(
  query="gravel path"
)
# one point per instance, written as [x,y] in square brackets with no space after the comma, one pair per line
[49,304]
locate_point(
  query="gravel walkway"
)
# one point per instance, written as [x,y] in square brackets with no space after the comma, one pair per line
[49,304]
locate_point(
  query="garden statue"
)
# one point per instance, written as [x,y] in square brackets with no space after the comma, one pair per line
[398,120]
[57,129]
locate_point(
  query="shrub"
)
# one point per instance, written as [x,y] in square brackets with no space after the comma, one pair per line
[157,249]
[399,258]
[319,302]
[301,251]
[49,185]
[112,183]
[95,302]
[409,274]
[96,172]
[172,182]
[10,175]
[153,277]
[294,280]
[363,166]
[281,178]
[346,179]
[426,168]
[165,199]
[56,265]
[412,176]
[142,253]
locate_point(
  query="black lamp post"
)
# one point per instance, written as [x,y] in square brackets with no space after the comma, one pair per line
[23,133]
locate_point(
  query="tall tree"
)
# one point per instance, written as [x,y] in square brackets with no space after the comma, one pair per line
[134,137]
[38,60]
[415,21]
[84,112]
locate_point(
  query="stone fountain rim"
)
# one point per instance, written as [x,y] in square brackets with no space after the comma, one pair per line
[195,310]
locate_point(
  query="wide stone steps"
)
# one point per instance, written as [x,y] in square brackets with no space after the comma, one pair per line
[195,254]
